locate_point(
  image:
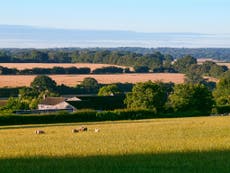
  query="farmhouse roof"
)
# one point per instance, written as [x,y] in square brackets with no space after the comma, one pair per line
[52,100]
[73,99]
[57,100]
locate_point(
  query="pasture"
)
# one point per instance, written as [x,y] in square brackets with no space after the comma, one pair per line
[73,80]
[200,144]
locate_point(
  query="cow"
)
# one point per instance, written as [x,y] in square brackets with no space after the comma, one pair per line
[39,132]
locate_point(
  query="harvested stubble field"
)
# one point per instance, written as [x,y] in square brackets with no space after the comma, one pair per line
[72,80]
[22,66]
[160,145]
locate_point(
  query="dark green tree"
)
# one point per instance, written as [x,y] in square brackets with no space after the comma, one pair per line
[43,83]
[184,63]
[4,57]
[58,70]
[39,56]
[217,71]
[90,85]
[222,91]
[194,75]
[210,68]
[206,67]
[167,63]
[141,69]
[28,93]
[147,95]
[14,104]
[191,98]
[109,90]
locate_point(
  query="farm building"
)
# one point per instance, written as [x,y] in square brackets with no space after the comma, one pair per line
[99,102]
[70,104]
[57,103]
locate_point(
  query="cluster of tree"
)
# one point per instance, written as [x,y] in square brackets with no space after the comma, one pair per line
[40,71]
[195,72]
[109,90]
[62,70]
[66,54]
[187,97]
[180,98]
[222,90]
[111,69]
[222,54]
[153,60]
[33,55]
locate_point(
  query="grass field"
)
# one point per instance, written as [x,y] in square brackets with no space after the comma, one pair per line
[73,80]
[160,145]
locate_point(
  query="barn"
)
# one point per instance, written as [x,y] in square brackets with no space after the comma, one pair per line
[57,103]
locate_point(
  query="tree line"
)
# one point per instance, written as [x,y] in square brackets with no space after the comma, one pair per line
[152,61]
[161,63]
[221,54]
[66,54]
[62,70]
[81,55]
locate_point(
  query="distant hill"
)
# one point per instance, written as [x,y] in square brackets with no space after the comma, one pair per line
[14,36]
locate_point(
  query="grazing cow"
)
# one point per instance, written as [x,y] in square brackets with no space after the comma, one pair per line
[75,131]
[39,132]
[82,129]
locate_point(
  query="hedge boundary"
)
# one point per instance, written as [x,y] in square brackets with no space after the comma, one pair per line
[88,116]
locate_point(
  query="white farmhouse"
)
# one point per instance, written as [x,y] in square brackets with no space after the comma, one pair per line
[56,103]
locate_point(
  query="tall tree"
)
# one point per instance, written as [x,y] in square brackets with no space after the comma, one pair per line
[222,91]
[43,83]
[147,95]
[90,85]
[191,97]
[109,90]
[184,63]
[194,75]
[14,104]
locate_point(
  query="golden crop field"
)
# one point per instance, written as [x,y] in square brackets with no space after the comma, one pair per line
[73,80]
[199,144]
[22,66]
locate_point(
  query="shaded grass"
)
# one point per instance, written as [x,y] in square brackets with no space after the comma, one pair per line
[203,162]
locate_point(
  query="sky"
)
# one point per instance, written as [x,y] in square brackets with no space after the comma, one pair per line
[195,16]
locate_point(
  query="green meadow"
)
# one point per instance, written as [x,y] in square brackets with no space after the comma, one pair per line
[200,144]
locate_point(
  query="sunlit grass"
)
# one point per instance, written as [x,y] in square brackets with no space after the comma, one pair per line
[146,140]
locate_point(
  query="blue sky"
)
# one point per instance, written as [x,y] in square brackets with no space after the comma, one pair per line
[198,16]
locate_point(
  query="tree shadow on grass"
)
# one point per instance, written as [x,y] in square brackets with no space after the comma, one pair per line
[199,162]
